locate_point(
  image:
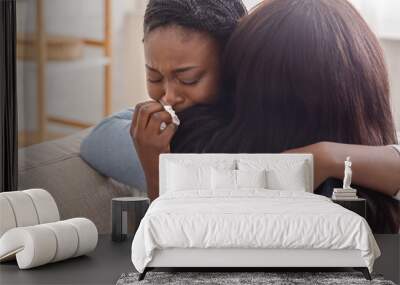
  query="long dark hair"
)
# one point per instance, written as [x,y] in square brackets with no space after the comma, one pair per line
[298,72]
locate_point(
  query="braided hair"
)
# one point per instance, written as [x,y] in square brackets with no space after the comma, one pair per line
[216,17]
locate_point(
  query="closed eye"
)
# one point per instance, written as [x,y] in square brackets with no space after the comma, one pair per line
[154,80]
[189,82]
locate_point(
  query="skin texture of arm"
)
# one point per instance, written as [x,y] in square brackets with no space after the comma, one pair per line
[374,167]
[152,179]
[150,141]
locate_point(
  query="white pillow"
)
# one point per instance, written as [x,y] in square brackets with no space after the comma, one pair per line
[188,174]
[292,178]
[251,179]
[223,179]
[281,174]
[181,178]
[236,179]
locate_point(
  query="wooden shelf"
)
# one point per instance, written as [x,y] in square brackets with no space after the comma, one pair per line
[68,122]
[55,67]
[43,68]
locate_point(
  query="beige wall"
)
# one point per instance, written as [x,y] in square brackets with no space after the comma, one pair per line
[128,63]
[392,54]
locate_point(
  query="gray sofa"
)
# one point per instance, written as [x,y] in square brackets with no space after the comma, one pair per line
[79,190]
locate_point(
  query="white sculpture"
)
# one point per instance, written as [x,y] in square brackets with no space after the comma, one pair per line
[347,174]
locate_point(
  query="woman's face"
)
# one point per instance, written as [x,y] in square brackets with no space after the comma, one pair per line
[182,66]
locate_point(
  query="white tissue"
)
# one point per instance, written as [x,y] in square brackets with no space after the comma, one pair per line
[171,111]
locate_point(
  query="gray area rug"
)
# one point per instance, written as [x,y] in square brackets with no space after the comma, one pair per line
[229,278]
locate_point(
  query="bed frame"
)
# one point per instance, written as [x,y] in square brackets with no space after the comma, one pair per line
[246,258]
[242,259]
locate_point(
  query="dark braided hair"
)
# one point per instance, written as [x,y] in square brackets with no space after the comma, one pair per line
[216,17]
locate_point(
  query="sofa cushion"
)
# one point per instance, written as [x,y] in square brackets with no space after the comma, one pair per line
[78,189]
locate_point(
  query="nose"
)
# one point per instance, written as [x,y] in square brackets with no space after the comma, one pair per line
[171,96]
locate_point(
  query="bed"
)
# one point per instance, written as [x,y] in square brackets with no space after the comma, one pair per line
[246,211]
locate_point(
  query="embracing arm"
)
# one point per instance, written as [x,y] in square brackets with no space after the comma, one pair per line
[152,178]
[374,167]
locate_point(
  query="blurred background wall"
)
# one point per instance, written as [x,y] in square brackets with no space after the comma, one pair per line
[74,88]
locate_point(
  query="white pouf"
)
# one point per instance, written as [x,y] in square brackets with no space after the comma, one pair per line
[32,246]
[87,233]
[67,237]
[40,244]
[23,208]
[7,220]
[31,230]
[46,207]
[26,208]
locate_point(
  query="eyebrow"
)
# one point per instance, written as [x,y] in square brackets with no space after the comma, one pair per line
[178,70]
[183,69]
[152,69]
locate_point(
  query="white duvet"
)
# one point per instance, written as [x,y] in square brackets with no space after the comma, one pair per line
[250,219]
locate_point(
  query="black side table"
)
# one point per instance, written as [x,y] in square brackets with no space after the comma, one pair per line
[127,212]
[358,206]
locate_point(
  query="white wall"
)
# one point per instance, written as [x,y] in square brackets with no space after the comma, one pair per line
[392,54]
[383,18]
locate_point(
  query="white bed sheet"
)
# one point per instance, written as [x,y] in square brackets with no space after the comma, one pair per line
[251,218]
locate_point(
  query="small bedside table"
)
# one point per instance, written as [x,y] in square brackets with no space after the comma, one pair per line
[358,206]
[127,212]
